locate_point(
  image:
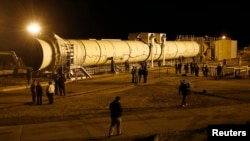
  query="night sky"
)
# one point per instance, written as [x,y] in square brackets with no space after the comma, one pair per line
[84,19]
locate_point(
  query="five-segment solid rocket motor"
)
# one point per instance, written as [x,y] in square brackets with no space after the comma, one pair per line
[150,47]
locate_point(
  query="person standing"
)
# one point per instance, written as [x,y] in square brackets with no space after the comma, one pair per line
[61,84]
[179,67]
[50,92]
[219,71]
[186,68]
[203,69]
[197,70]
[140,73]
[176,67]
[145,76]
[39,92]
[116,111]
[56,81]
[33,91]
[192,67]
[132,74]
[206,70]
[136,77]
[184,90]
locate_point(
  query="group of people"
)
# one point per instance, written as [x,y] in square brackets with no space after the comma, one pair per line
[36,92]
[51,89]
[195,68]
[137,74]
[59,81]
[115,107]
[192,66]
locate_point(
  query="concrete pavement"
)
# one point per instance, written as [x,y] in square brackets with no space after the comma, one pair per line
[135,126]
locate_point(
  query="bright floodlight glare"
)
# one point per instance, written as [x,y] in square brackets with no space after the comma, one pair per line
[34,28]
[224,37]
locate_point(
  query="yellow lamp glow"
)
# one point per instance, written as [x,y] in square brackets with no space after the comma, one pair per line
[34,28]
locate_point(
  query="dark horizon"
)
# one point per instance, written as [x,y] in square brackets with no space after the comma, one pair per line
[84,19]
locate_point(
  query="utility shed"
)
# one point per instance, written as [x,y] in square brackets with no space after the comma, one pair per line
[225,49]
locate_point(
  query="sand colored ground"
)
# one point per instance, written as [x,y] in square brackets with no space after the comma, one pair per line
[91,97]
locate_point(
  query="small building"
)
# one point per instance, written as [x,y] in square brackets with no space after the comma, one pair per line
[225,49]
[214,48]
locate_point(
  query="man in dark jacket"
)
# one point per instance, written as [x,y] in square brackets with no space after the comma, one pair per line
[61,84]
[184,90]
[115,114]
[39,92]
[33,91]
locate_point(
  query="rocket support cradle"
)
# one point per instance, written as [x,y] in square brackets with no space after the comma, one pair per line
[58,52]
